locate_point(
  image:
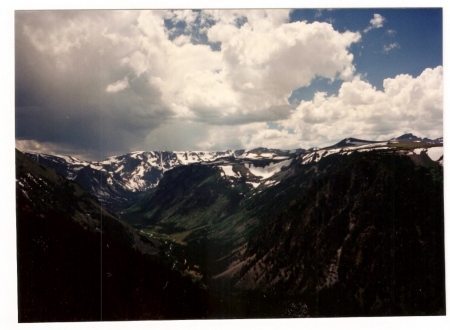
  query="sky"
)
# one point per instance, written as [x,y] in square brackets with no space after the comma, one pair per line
[97,83]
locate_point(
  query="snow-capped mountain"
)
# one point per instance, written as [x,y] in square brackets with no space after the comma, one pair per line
[407,144]
[119,181]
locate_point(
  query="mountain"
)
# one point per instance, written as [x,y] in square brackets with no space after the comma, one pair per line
[344,231]
[351,142]
[358,238]
[409,137]
[353,229]
[120,181]
[78,262]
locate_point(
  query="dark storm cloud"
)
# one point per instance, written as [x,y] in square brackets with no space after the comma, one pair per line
[61,82]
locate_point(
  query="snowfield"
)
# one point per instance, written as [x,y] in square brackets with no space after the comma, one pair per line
[267,171]
[228,170]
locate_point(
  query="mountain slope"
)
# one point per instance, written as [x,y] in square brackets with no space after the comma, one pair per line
[77,262]
[354,229]
[365,237]
[335,232]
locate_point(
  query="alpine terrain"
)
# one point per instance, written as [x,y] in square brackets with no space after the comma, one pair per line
[353,229]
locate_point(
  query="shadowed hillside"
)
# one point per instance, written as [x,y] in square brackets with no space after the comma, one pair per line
[77,262]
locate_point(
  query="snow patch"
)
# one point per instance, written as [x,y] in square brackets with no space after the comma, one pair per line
[308,158]
[139,172]
[269,170]
[135,154]
[270,183]
[254,184]
[370,149]
[331,151]
[119,169]
[97,167]
[72,160]
[228,170]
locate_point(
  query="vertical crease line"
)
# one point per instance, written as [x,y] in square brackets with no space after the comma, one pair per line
[101,201]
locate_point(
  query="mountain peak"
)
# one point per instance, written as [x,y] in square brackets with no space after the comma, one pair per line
[413,138]
[409,136]
[351,142]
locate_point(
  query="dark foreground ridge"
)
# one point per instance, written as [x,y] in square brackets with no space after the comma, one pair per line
[349,230]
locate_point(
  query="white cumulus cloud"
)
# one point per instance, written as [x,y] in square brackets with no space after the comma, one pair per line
[407,104]
[375,23]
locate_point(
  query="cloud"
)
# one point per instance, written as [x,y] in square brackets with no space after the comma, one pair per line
[118,86]
[391,32]
[64,94]
[99,83]
[407,104]
[50,148]
[263,62]
[391,46]
[104,81]
[375,23]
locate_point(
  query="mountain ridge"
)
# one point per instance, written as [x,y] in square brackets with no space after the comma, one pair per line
[120,181]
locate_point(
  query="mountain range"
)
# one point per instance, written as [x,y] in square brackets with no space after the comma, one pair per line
[120,181]
[353,229]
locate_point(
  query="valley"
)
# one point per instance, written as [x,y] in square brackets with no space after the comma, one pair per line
[353,229]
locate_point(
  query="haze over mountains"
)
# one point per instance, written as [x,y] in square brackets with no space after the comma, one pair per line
[354,229]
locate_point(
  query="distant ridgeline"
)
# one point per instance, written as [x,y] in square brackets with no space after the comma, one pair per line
[120,181]
[354,229]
